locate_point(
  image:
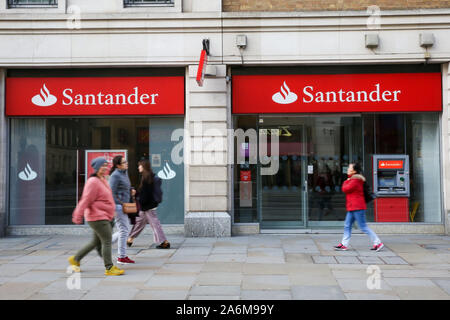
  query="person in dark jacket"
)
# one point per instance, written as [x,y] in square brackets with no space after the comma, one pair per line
[149,188]
[356,208]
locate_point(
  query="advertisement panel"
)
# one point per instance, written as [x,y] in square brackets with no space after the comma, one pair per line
[107,154]
[336,93]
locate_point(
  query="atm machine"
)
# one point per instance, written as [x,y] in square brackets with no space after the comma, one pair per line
[391,186]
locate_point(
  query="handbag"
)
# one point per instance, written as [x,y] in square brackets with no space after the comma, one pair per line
[369,196]
[129,207]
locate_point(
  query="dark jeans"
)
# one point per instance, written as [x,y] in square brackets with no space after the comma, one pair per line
[101,241]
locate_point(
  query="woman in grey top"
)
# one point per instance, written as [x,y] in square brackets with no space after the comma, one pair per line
[122,192]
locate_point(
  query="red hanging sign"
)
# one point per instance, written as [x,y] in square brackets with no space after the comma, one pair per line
[202,67]
[94,96]
[335,93]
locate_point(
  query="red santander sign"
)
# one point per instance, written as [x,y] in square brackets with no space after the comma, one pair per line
[94,96]
[375,92]
[390,164]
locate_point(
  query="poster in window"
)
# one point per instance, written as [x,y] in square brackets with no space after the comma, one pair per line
[107,154]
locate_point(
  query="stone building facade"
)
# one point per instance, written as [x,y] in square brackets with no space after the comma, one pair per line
[112,35]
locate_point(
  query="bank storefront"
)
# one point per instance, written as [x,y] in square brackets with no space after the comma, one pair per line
[311,122]
[60,119]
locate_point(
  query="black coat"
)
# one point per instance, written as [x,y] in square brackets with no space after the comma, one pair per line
[146,194]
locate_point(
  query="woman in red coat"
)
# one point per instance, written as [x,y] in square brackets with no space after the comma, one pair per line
[356,208]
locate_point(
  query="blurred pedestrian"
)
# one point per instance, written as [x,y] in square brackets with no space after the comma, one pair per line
[97,206]
[356,208]
[122,193]
[149,196]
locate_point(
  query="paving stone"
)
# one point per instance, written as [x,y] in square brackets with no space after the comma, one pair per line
[14,270]
[227,258]
[223,267]
[266,295]
[172,282]
[60,285]
[348,260]
[162,295]
[39,276]
[19,290]
[405,282]
[180,268]
[298,258]
[219,278]
[444,284]
[317,293]
[323,259]
[348,285]
[370,296]
[265,268]
[265,282]
[199,290]
[371,260]
[111,293]
[219,298]
[185,259]
[421,293]
[393,260]
[68,295]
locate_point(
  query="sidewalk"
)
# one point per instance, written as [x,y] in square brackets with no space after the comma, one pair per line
[255,267]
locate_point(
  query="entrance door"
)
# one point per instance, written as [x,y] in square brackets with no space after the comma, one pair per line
[305,189]
[282,192]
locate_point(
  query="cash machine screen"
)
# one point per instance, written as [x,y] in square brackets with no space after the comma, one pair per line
[388,181]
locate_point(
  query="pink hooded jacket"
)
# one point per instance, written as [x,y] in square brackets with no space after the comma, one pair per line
[96,203]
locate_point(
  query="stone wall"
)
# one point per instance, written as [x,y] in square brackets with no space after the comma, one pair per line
[329,5]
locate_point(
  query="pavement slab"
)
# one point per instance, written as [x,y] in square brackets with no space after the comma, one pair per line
[254,267]
[266,295]
[317,293]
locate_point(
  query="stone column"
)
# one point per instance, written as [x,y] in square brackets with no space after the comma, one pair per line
[207,210]
[3,156]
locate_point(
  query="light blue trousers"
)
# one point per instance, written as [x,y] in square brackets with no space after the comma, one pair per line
[360,217]
[121,236]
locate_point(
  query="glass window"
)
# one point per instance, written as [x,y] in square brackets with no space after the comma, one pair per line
[32,3]
[27,172]
[134,3]
[48,164]
[47,172]
[425,177]
[416,135]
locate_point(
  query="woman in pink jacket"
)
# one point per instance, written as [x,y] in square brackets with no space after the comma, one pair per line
[98,207]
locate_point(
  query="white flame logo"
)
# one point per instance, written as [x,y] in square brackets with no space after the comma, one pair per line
[27,174]
[44,99]
[285,96]
[166,173]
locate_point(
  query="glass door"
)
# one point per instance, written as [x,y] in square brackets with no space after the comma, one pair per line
[282,177]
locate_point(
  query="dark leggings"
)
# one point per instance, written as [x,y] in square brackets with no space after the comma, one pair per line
[101,239]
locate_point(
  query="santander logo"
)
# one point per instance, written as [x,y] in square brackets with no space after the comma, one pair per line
[27,174]
[285,96]
[44,99]
[167,173]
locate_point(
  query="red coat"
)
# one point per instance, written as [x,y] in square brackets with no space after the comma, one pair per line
[354,193]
